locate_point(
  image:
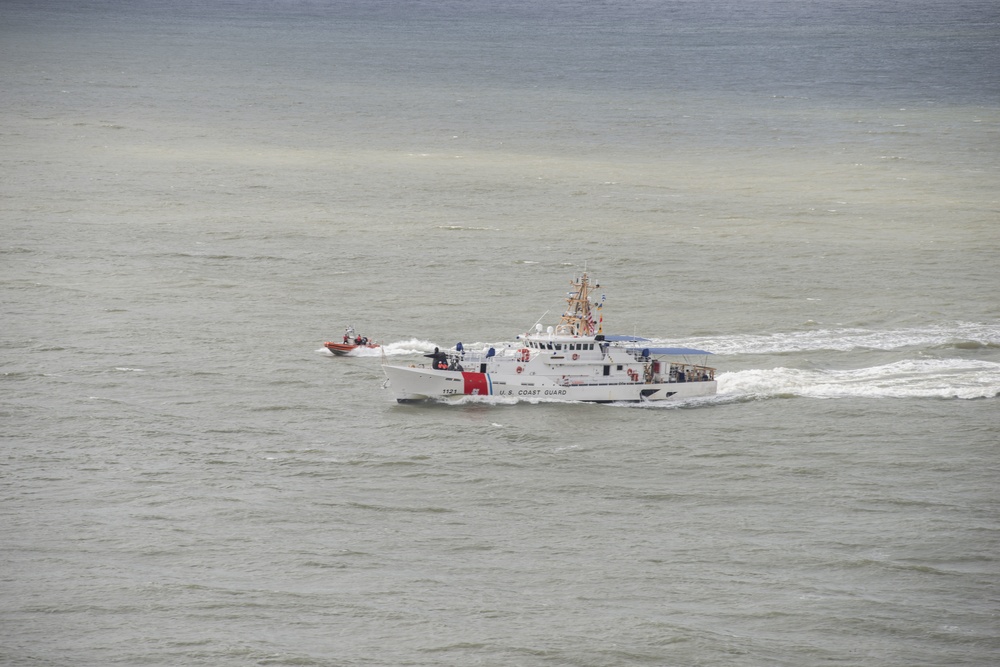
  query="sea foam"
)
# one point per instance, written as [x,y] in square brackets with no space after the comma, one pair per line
[911,378]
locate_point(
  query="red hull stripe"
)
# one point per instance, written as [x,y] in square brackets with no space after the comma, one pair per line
[476,384]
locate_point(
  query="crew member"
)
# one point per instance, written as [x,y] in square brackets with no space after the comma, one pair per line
[440,359]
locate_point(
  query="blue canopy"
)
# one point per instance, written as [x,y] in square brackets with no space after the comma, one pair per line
[668,350]
[615,338]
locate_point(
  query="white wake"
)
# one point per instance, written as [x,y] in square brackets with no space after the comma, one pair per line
[930,378]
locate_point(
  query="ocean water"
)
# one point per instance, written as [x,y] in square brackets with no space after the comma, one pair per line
[194,196]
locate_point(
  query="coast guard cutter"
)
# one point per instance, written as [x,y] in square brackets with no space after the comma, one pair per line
[573,361]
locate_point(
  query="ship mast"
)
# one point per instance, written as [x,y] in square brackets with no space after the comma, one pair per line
[578,320]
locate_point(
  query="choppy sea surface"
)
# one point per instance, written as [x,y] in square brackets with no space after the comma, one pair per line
[194,196]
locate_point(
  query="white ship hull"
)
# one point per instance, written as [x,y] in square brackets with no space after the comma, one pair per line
[410,384]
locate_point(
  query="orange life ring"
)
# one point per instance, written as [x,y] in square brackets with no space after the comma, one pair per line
[575,356]
[519,370]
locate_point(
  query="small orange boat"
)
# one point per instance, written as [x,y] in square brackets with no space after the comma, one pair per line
[352,341]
